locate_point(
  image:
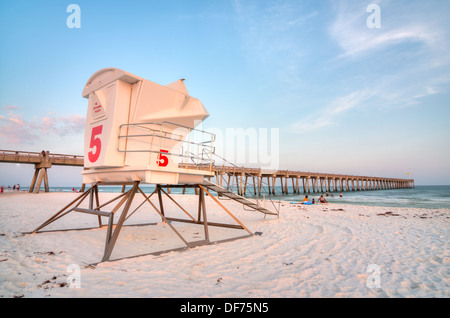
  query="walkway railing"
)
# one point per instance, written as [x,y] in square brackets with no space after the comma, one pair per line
[204,158]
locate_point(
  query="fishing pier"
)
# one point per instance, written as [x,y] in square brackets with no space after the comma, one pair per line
[242,180]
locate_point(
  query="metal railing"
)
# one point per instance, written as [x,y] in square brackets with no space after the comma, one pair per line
[157,134]
[263,187]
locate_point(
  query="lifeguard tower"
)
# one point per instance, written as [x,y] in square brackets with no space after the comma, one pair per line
[138,132]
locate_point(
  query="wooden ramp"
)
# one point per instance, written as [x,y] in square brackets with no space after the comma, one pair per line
[233,196]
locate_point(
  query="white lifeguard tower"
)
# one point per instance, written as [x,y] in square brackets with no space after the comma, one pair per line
[138,132]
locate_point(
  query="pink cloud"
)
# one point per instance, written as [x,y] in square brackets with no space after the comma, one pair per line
[62,126]
[16,130]
[13,130]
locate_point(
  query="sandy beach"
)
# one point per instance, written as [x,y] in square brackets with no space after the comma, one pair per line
[331,250]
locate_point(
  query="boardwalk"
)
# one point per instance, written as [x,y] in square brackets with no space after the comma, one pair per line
[240,179]
[253,179]
[42,161]
[37,158]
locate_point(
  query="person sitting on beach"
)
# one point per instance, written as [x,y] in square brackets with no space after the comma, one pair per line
[306,201]
[322,199]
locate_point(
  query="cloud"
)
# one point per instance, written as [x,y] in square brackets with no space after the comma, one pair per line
[11,107]
[356,43]
[15,130]
[275,35]
[62,126]
[309,48]
[408,58]
[331,114]
[411,22]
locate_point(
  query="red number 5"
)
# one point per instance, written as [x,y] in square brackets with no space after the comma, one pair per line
[162,161]
[95,142]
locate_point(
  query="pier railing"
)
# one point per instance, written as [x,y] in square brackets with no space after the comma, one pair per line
[13,156]
[240,179]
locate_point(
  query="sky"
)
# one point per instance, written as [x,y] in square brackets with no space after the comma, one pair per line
[345,87]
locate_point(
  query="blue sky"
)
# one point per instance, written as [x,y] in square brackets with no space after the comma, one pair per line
[346,98]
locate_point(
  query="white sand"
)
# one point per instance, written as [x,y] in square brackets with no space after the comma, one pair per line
[310,251]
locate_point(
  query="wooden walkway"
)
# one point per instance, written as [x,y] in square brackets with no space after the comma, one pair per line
[240,179]
[253,179]
[42,161]
[37,158]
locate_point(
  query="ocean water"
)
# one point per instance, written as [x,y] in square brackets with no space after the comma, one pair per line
[431,197]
